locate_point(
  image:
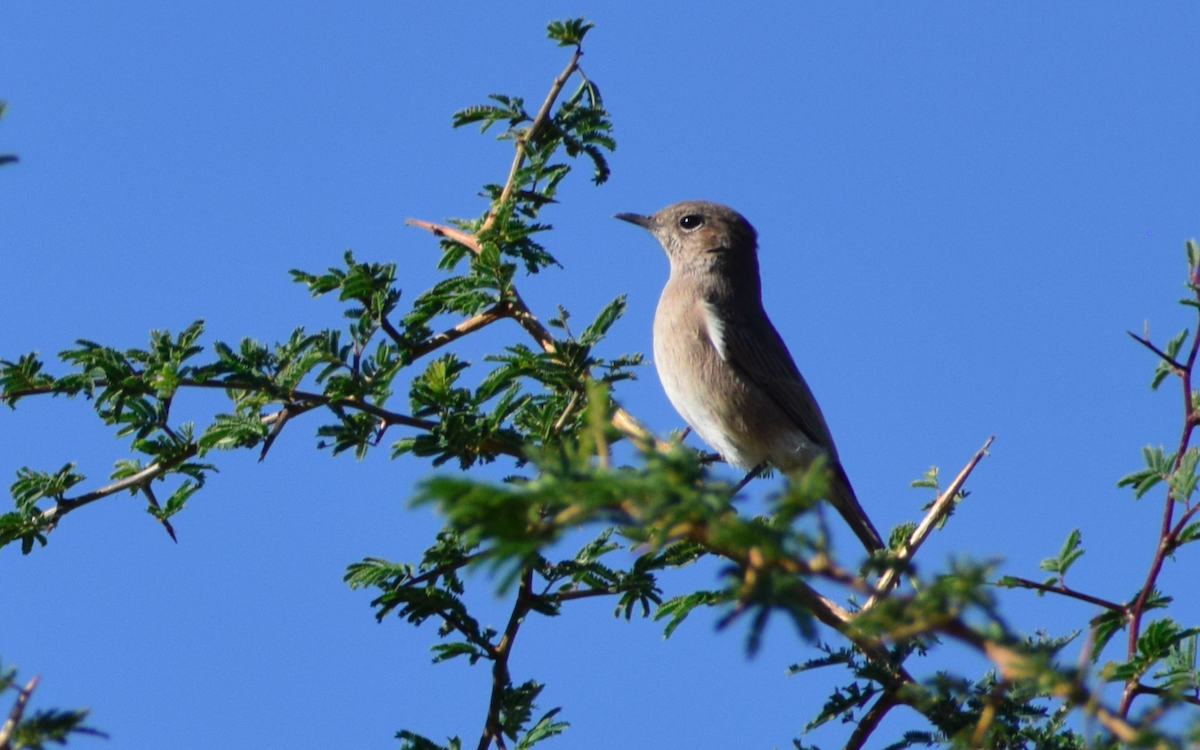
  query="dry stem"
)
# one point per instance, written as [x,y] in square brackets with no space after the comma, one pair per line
[917,538]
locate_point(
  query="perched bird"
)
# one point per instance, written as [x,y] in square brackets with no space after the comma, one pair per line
[721,362]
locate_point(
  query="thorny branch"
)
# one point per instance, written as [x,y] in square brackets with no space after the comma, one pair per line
[1061,590]
[519,311]
[1166,538]
[1175,366]
[940,507]
[50,516]
[297,402]
[470,325]
[539,121]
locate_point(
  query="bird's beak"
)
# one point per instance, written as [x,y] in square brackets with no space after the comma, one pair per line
[645,222]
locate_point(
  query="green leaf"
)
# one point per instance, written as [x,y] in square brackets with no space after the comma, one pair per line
[928,480]
[679,607]
[604,320]
[1158,467]
[32,485]
[516,706]
[1179,672]
[569,32]
[544,728]
[1189,533]
[1156,642]
[1182,480]
[1071,551]
[1163,369]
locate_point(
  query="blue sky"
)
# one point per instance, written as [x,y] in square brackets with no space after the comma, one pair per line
[961,210]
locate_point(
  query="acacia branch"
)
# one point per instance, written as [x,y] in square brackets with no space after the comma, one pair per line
[567,596]
[296,403]
[940,507]
[466,239]
[470,325]
[1061,590]
[50,517]
[1148,690]
[519,311]
[527,137]
[870,720]
[493,729]
[1165,544]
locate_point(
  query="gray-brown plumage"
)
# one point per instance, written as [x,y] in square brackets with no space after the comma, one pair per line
[721,362]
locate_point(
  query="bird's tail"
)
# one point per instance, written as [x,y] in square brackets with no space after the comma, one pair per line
[841,497]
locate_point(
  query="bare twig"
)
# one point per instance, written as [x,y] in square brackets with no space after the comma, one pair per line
[14,716]
[470,325]
[917,538]
[567,411]
[1025,583]
[442,570]
[466,239]
[1175,366]
[281,418]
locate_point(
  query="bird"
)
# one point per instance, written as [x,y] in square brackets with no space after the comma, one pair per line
[722,363]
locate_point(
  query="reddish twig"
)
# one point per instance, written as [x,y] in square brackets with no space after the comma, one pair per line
[493,730]
[1025,583]
[1166,540]
[1175,366]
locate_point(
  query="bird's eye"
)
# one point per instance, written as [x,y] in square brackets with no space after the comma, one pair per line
[692,221]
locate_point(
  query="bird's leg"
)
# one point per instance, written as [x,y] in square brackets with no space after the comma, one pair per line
[751,475]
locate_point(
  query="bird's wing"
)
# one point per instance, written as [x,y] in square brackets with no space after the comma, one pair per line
[755,348]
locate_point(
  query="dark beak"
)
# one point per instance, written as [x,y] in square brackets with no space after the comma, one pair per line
[645,222]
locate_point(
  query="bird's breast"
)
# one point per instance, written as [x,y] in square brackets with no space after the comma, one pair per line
[709,393]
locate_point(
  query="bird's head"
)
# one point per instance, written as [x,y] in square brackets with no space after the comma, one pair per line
[700,235]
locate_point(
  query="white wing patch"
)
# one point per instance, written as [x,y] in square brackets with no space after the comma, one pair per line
[715,328]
